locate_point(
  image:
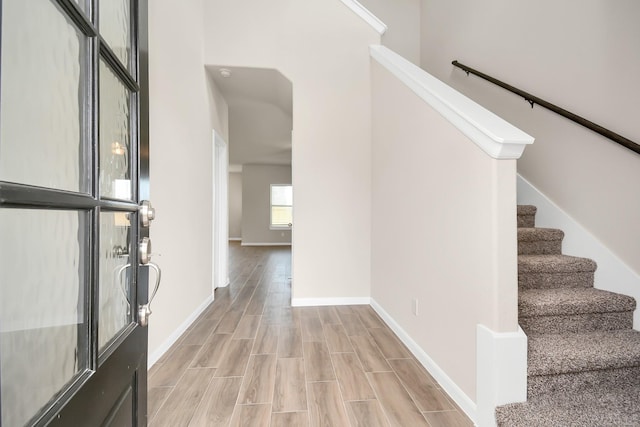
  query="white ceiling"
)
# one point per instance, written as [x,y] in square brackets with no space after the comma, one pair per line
[260,107]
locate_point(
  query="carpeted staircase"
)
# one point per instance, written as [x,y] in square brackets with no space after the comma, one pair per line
[584,356]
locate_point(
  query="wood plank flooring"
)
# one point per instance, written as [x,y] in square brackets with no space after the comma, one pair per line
[253,360]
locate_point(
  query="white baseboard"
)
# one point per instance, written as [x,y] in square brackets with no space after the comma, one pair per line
[316,302]
[456,393]
[265,244]
[612,273]
[225,284]
[166,345]
[235,239]
[501,371]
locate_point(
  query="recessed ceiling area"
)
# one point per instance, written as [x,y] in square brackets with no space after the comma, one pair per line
[260,104]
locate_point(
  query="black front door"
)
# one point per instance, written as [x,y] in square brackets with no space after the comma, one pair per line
[74,271]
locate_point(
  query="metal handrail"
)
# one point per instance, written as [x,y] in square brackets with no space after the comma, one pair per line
[531,99]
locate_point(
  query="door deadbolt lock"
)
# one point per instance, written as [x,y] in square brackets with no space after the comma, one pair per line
[145,251]
[147,213]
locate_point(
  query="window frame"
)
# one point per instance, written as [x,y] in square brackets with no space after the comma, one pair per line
[272,226]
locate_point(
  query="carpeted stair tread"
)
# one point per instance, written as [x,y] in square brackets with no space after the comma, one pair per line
[583,356]
[576,323]
[539,241]
[612,406]
[526,216]
[527,210]
[554,264]
[578,352]
[533,234]
[568,301]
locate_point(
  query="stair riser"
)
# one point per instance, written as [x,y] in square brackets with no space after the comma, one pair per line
[578,382]
[576,323]
[540,247]
[526,221]
[555,280]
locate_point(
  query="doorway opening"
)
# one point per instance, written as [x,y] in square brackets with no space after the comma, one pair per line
[256,157]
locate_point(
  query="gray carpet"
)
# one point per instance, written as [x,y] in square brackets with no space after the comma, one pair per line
[554,271]
[539,241]
[598,408]
[583,356]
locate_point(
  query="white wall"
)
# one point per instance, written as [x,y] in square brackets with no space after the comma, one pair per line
[256,200]
[183,111]
[235,204]
[322,47]
[402,18]
[581,55]
[459,261]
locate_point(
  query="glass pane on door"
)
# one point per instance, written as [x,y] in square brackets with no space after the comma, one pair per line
[115,140]
[43,88]
[115,27]
[115,276]
[43,329]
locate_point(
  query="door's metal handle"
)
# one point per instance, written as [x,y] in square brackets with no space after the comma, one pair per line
[144,310]
[118,277]
[156,267]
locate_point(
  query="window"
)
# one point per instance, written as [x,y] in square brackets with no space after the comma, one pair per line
[281,206]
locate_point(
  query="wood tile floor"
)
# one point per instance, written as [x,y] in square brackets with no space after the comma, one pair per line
[252,360]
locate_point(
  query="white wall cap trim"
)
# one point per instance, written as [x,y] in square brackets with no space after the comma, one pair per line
[317,302]
[366,15]
[494,135]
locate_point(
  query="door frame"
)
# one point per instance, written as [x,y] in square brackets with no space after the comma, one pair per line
[220,211]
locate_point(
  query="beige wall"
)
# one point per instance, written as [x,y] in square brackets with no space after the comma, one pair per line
[459,261]
[402,18]
[183,112]
[256,200]
[582,55]
[235,204]
[322,47]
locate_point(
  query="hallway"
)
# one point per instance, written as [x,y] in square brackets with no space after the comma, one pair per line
[252,360]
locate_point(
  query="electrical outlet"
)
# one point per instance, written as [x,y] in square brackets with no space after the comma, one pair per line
[414,306]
